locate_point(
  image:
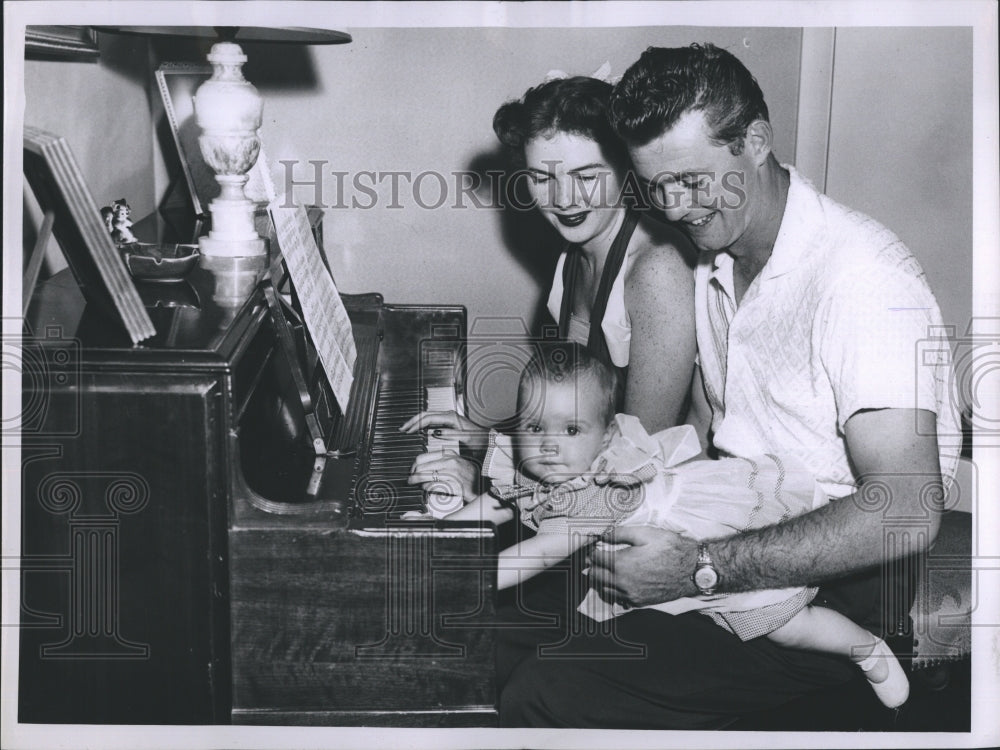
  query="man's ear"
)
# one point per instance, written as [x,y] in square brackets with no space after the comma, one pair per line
[758,141]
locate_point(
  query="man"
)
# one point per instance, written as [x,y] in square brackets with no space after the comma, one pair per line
[809,317]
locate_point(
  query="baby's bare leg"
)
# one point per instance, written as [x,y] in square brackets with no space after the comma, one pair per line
[822,629]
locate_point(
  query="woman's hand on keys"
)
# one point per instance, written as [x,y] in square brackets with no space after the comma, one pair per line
[449,425]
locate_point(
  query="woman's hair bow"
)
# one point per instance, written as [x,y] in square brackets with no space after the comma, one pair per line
[603,73]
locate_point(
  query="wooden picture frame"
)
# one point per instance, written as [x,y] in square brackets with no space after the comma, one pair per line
[178,83]
[76,223]
[62,42]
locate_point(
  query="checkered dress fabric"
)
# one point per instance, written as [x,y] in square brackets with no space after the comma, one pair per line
[579,506]
[758,621]
[612,490]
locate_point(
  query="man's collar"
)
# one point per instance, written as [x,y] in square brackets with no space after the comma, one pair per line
[722,262]
[722,272]
[795,229]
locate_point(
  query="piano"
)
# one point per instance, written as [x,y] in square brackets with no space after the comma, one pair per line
[207,539]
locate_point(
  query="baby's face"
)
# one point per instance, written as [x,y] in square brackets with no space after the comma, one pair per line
[564,433]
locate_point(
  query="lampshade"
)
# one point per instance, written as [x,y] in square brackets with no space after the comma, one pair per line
[285,35]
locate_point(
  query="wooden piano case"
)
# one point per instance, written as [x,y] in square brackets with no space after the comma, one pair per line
[179,569]
[342,614]
[125,587]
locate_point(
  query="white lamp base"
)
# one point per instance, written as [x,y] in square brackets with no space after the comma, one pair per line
[228,109]
[214,247]
[233,233]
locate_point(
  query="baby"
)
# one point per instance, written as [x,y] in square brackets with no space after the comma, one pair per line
[581,469]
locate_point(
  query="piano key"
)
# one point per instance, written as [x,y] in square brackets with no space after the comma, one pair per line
[393,452]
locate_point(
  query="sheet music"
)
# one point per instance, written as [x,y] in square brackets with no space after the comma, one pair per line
[324,312]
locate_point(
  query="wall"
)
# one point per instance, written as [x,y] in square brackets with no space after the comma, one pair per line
[423,99]
[897,145]
[900,146]
[102,109]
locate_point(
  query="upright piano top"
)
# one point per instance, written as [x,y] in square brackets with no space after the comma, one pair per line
[192,327]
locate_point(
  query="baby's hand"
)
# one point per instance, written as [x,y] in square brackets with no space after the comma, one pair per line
[608,546]
[437,506]
[605,547]
[417,515]
[442,505]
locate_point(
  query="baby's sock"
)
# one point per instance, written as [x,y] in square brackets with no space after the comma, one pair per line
[884,674]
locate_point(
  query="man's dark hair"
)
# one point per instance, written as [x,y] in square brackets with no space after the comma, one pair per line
[561,361]
[667,82]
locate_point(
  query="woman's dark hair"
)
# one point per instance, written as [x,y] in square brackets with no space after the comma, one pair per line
[577,105]
[666,83]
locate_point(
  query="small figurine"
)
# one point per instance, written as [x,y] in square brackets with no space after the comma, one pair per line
[107,214]
[116,218]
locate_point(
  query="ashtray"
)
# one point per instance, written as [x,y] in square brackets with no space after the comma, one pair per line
[148,261]
[181,294]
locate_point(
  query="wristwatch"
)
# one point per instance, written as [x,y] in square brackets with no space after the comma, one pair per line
[705,576]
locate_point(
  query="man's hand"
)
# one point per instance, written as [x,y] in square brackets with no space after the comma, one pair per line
[655,567]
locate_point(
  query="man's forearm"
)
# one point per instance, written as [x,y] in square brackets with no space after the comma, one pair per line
[842,537]
[894,512]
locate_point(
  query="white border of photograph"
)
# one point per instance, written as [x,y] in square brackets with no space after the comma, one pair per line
[979,14]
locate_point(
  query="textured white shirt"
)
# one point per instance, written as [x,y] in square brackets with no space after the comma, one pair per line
[840,319]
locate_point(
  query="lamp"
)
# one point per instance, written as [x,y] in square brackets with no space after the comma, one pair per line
[228,109]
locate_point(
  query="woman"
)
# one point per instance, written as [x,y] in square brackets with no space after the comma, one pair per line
[623,284]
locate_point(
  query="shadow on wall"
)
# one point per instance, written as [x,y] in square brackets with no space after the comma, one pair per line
[124,56]
[101,107]
[526,235]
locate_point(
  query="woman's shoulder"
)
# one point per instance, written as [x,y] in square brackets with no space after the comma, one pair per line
[658,245]
[659,255]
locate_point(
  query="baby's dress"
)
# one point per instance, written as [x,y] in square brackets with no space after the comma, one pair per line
[643,479]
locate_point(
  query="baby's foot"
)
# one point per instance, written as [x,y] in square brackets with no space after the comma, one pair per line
[885,675]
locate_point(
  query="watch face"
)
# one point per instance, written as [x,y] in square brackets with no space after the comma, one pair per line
[705,578]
